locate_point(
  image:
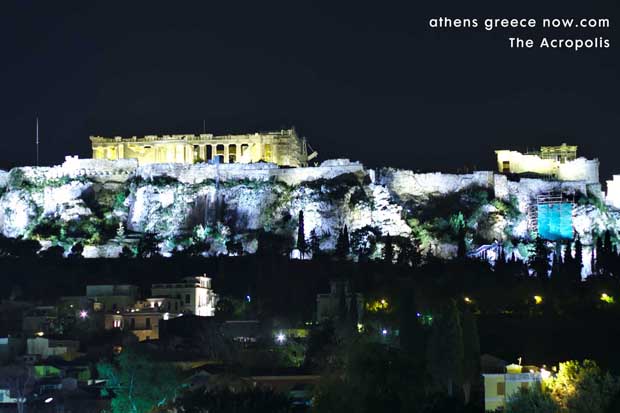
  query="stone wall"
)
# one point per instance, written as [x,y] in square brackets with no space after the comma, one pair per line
[581,169]
[197,173]
[407,184]
[613,192]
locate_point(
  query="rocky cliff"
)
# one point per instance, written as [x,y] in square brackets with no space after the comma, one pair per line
[108,205]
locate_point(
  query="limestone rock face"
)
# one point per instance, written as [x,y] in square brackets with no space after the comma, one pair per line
[17,212]
[227,207]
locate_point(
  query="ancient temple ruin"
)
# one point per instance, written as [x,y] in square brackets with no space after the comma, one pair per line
[282,147]
[554,162]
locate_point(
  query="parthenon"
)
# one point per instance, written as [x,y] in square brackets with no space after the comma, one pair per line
[282,147]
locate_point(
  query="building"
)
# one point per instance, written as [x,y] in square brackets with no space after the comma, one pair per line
[557,162]
[328,304]
[498,387]
[613,192]
[195,295]
[44,347]
[112,297]
[142,323]
[41,320]
[282,147]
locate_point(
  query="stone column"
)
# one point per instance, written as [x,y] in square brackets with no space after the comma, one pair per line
[226,153]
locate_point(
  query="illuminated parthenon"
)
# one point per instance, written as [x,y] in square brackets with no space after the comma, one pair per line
[282,147]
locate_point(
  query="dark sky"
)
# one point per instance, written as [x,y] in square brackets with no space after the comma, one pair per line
[364,80]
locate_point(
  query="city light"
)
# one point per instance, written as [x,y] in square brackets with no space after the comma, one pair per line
[607,298]
[280,338]
[538,299]
[384,332]
[468,300]
[83,314]
[49,400]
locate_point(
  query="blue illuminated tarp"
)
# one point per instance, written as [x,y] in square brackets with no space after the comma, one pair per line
[555,221]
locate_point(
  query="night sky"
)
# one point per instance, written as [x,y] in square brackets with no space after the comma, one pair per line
[365,80]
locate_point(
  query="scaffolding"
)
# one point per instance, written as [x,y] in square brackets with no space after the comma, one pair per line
[557,203]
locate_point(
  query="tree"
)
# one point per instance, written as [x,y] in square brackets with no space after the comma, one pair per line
[409,252]
[531,401]
[138,384]
[578,258]
[388,250]
[471,352]
[19,380]
[53,253]
[253,400]
[76,251]
[315,243]
[127,252]
[377,378]
[539,261]
[411,331]
[583,387]
[461,251]
[445,348]
[343,246]
[302,246]
[148,246]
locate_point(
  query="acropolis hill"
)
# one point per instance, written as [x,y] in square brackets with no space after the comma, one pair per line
[221,191]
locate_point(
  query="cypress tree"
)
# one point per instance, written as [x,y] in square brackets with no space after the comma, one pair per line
[461,251]
[445,348]
[343,246]
[600,256]
[301,235]
[471,352]
[539,262]
[315,243]
[388,250]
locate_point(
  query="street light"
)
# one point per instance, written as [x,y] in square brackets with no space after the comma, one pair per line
[83,314]
[280,338]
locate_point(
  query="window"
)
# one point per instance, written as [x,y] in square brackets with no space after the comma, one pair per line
[148,323]
[506,166]
[186,298]
[132,324]
[501,389]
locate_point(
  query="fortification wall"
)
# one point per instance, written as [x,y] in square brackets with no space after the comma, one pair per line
[581,169]
[613,192]
[408,184]
[197,173]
